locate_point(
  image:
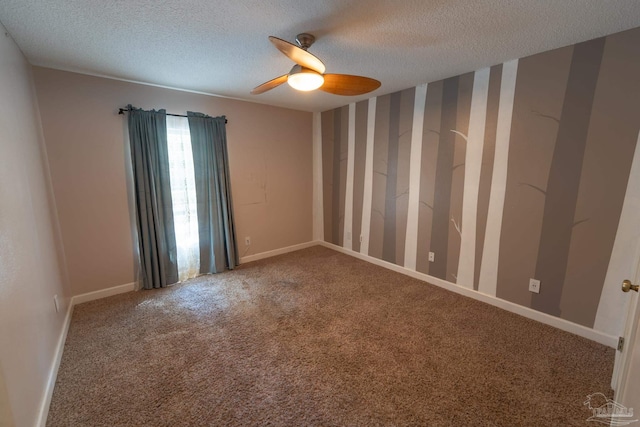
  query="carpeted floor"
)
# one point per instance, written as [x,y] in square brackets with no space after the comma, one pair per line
[318,338]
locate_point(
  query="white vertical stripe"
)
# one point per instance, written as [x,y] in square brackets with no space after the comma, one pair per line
[368,178]
[347,239]
[415,160]
[610,316]
[489,267]
[318,208]
[472,168]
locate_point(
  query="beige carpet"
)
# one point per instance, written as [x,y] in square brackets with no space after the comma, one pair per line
[318,338]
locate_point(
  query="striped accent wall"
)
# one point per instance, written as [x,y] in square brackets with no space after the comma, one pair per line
[512,172]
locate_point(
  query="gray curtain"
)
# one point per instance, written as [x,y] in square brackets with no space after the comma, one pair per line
[154,213]
[213,193]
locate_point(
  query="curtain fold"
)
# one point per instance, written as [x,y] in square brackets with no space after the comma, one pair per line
[213,193]
[154,214]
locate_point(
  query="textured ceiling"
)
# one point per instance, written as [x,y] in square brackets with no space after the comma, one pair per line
[221,47]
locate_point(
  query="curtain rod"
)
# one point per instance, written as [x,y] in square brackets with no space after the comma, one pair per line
[124,110]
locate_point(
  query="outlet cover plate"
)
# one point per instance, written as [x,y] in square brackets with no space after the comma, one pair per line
[534,286]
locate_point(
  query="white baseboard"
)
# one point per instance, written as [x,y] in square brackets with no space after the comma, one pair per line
[280,251]
[43,411]
[102,293]
[565,325]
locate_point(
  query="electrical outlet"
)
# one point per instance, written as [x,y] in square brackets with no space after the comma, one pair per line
[432,257]
[534,286]
[247,241]
[56,303]
[361,238]
[348,235]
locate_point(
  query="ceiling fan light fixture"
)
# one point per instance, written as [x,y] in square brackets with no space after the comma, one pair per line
[304,79]
[309,72]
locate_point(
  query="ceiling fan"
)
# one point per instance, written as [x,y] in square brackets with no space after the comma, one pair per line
[309,72]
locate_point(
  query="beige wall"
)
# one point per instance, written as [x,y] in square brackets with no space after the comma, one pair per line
[29,251]
[6,418]
[269,154]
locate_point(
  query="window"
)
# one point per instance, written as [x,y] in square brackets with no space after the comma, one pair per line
[183,194]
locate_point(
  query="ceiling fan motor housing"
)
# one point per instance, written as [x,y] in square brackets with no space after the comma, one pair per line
[305,40]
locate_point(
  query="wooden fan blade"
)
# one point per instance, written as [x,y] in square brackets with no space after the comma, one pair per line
[348,85]
[269,85]
[298,55]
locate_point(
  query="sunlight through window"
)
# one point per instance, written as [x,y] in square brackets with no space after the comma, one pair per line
[183,193]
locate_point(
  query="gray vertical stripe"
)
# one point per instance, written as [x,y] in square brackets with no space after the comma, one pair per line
[430,141]
[488,152]
[564,177]
[342,166]
[405,125]
[389,245]
[335,202]
[327,173]
[358,171]
[463,114]
[442,198]
[378,199]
